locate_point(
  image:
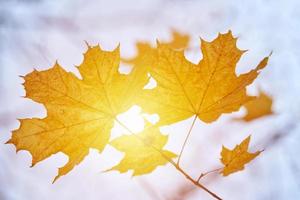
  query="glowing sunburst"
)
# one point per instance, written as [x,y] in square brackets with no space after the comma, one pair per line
[134,120]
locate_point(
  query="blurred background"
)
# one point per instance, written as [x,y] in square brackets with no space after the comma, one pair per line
[36,33]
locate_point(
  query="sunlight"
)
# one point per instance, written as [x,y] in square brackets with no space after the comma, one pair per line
[134,120]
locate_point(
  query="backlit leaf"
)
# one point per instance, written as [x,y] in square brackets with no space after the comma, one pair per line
[143,151]
[179,41]
[259,107]
[80,112]
[234,160]
[207,89]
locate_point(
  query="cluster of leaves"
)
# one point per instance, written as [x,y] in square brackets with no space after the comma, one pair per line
[82,112]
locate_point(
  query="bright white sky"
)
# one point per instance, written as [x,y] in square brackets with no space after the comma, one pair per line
[33,34]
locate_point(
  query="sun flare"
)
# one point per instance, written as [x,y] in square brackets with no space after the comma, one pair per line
[134,120]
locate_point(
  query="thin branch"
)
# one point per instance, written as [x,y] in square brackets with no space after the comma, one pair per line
[209,172]
[186,139]
[195,182]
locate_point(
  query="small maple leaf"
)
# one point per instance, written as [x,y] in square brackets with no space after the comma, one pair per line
[80,113]
[259,107]
[143,152]
[234,160]
[206,90]
[179,41]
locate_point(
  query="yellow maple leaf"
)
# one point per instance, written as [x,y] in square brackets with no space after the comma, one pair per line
[205,90]
[143,152]
[179,41]
[259,107]
[234,160]
[80,112]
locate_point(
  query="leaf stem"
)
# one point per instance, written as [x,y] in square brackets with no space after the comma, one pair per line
[209,172]
[186,139]
[195,182]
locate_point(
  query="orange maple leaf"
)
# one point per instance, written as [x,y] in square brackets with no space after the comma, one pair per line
[259,107]
[178,41]
[204,90]
[234,160]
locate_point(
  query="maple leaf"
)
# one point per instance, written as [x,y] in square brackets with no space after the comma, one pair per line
[179,41]
[259,107]
[234,160]
[80,112]
[143,151]
[206,90]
